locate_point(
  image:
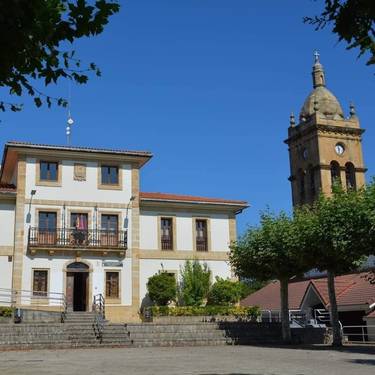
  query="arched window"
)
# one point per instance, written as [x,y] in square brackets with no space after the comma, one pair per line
[312,182]
[350,176]
[301,185]
[335,173]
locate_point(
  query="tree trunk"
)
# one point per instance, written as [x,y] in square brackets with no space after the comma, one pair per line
[336,329]
[285,325]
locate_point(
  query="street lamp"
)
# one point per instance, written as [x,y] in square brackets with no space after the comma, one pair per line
[126,221]
[28,216]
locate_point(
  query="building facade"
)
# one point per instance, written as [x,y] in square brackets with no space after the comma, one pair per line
[74,223]
[324,146]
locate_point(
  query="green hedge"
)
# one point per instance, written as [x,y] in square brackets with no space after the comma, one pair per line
[6,311]
[237,311]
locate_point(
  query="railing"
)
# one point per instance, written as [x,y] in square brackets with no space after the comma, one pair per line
[201,244]
[17,298]
[364,334]
[77,238]
[166,243]
[98,306]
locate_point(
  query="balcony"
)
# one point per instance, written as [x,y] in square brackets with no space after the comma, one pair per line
[94,240]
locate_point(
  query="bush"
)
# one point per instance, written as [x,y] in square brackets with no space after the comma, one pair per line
[162,288]
[6,312]
[195,283]
[250,313]
[226,292]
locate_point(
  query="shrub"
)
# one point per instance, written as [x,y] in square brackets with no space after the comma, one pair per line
[195,283]
[226,292]
[6,312]
[162,288]
[250,313]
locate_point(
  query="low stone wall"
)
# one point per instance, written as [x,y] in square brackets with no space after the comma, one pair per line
[245,332]
[29,316]
[5,320]
[196,319]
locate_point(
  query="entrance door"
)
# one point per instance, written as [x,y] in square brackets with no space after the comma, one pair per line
[77,279]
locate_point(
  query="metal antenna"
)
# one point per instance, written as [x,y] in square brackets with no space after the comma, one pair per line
[70,120]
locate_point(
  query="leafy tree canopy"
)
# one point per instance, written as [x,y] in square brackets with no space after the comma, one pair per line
[226,292]
[195,283]
[352,21]
[343,230]
[35,40]
[270,251]
[162,288]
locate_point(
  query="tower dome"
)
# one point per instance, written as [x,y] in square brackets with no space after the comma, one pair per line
[321,100]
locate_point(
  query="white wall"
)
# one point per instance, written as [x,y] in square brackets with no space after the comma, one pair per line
[5,273]
[149,267]
[78,190]
[7,212]
[56,266]
[149,222]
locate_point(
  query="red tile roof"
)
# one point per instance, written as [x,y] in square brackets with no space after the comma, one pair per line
[351,289]
[190,199]
[268,298]
[78,148]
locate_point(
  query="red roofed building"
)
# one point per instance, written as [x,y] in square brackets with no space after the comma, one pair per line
[355,298]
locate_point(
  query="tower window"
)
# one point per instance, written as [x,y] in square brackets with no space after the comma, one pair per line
[301,183]
[350,176]
[335,173]
[312,181]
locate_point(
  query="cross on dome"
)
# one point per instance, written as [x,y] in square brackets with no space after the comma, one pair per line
[316,55]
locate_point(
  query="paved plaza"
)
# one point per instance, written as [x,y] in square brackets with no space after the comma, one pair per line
[221,360]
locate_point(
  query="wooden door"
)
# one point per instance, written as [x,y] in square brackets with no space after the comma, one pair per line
[70,290]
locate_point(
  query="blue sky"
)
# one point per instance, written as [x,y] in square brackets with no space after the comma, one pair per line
[207,86]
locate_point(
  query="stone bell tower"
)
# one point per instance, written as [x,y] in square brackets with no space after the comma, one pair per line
[324,146]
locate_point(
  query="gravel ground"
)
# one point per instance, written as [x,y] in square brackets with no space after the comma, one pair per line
[221,360]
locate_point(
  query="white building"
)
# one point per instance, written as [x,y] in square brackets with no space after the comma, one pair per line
[74,223]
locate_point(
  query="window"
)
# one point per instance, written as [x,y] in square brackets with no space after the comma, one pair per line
[47,228]
[110,175]
[48,171]
[166,233]
[79,220]
[109,230]
[301,185]
[112,284]
[350,176]
[201,234]
[335,173]
[312,181]
[40,283]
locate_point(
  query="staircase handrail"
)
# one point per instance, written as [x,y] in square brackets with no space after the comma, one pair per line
[98,306]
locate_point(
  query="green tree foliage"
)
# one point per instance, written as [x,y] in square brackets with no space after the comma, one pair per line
[342,233]
[272,251]
[162,288]
[353,21]
[195,283]
[36,38]
[226,292]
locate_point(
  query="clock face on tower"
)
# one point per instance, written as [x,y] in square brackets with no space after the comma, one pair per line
[339,148]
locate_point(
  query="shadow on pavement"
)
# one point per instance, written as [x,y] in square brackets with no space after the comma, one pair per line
[361,349]
[363,361]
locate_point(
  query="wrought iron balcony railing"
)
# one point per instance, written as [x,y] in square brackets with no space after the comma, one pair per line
[78,238]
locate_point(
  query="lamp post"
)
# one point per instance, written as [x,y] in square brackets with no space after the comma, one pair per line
[28,216]
[126,221]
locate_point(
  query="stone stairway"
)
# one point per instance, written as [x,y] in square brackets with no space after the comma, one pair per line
[77,331]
